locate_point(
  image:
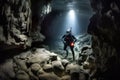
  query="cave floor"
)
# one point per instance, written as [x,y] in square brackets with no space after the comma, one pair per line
[56,46]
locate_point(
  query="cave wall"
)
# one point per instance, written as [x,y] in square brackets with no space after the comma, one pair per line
[105,30]
[15,23]
[20,22]
[40,8]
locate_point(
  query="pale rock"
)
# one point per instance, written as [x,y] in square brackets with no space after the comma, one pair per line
[72,68]
[22,75]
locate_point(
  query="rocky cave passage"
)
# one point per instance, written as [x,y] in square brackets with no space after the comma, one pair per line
[24,56]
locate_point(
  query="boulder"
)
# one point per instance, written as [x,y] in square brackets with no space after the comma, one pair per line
[58,65]
[58,68]
[65,62]
[48,76]
[66,77]
[6,70]
[48,68]
[20,63]
[72,68]
[39,56]
[22,75]
[35,68]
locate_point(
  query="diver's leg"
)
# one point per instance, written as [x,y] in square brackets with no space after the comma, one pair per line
[65,48]
[72,49]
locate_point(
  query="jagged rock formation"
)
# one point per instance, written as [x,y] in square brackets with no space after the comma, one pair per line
[41,64]
[83,40]
[40,8]
[15,23]
[105,30]
[16,17]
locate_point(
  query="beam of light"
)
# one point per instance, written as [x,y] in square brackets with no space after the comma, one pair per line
[71,21]
[71,14]
[71,17]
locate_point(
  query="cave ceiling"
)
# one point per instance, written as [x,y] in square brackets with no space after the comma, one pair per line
[81,5]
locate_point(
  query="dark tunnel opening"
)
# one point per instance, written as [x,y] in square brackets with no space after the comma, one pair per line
[61,18]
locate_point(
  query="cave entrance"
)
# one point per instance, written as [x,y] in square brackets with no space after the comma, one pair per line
[66,14]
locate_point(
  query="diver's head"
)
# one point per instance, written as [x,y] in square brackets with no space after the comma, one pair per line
[68,31]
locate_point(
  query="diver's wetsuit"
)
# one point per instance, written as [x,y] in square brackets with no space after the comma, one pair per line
[69,40]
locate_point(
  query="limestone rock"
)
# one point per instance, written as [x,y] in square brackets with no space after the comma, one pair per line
[22,75]
[105,44]
[48,68]
[66,77]
[72,68]
[20,64]
[57,64]
[6,70]
[35,68]
[48,76]
[58,68]
[65,62]
[15,23]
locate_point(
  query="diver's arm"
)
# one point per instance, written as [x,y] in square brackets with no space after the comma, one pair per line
[62,39]
[74,38]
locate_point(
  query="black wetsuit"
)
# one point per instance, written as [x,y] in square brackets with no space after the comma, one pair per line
[69,40]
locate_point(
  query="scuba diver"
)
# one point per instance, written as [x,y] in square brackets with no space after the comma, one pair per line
[69,40]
